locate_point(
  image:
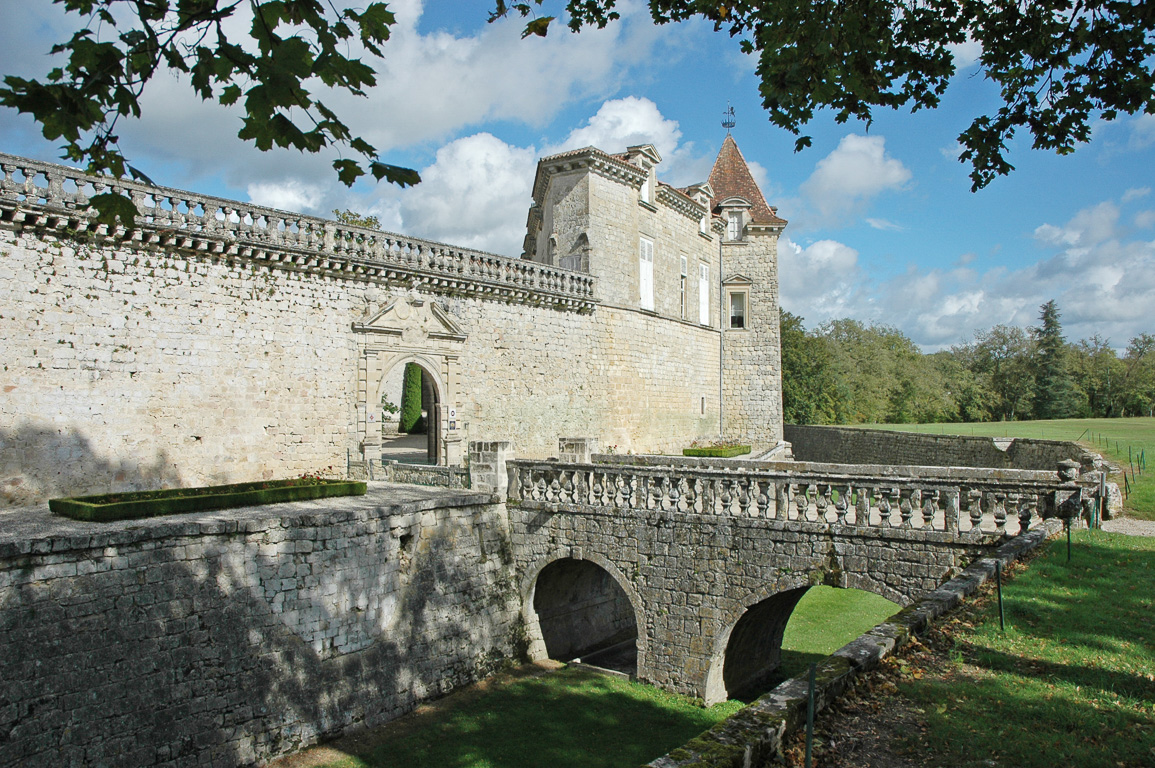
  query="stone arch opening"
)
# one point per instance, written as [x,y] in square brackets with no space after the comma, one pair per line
[754,658]
[420,447]
[584,613]
[754,649]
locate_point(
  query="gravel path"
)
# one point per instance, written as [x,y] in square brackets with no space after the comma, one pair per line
[1130,526]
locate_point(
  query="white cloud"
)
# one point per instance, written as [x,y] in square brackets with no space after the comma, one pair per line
[885,225]
[820,282]
[1135,193]
[849,178]
[476,194]
[1089,226]
[1142,132]
[1144,219]
[292,195]
[966,54]
[621,123]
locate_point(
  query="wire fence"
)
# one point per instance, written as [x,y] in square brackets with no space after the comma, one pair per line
[1136,457]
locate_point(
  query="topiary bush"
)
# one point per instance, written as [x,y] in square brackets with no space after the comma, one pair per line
[411,400]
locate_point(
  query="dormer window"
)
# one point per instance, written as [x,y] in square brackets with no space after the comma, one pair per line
[648,187]
[733,225]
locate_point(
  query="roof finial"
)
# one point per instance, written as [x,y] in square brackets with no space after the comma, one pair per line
[728,118]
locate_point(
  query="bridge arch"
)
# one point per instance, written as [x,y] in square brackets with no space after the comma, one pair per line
[567,592]
[749,647]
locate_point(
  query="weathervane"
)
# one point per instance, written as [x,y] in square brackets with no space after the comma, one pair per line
[728,118]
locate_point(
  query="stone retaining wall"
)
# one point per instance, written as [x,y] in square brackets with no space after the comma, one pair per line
[848,445]
[232,638]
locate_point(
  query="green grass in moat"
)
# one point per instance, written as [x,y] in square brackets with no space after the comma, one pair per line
[1120,441]
[1072,679]
[576,718]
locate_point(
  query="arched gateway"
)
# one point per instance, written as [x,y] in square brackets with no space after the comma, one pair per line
[408,329]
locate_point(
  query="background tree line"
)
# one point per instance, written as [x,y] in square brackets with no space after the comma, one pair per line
[847,372]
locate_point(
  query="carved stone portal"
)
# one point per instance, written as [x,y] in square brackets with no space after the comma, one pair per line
[410,328]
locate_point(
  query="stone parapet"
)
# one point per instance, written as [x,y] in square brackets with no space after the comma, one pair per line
[38,194]
[966,504]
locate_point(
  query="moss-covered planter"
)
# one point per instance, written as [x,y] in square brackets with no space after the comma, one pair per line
[170,501]
[717,451]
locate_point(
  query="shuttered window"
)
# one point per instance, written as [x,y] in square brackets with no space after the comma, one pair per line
[646,272]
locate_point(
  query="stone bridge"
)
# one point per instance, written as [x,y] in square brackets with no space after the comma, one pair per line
[698,566]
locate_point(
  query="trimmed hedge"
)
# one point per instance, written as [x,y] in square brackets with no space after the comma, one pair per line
[410,421]
[170,501]
[717,451]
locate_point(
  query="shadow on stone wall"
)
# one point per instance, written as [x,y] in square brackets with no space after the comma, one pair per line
[163,661]
[38,463]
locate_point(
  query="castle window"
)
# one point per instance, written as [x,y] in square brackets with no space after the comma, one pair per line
[704,294]
[737,309]
[646,272]
[733,225]
[704,224]
[684,273]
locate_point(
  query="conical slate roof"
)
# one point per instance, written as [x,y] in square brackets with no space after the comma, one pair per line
[731,178]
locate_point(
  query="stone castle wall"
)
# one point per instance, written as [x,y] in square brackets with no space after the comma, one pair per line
[847,445]
[236,637]
[134,367]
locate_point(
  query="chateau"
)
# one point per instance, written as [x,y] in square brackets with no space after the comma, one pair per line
[218,341]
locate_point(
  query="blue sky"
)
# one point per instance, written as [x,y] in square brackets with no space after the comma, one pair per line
[883,226]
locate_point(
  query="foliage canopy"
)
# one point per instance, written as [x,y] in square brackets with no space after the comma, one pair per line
[291,45]
[1059,64]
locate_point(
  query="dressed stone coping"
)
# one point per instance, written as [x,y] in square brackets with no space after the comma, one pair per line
[34,193]
[755,734]
[35,530]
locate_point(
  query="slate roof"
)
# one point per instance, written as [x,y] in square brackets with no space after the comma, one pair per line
[731,178]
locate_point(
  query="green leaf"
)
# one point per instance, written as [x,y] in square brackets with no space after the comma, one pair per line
[539,27]
[110,206]
[394,174]
[348,171]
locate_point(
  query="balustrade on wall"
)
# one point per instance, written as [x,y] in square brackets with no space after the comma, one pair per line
[45,194]
[997,506]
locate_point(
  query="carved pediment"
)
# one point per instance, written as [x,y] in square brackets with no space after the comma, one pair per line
[413,320]
[737,280]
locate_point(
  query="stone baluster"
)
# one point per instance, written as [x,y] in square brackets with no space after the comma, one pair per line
[690,498]
[802,501]
[675,493]
[782,500]
[884,507]
[567,487]
[597,488]
[862,506]
[763,488]
[842,504]
[975,508]
[1000,512]
[726,498]
[743,484]
[1023,502]
[949,501]
[908,500]
[930,501]
[581,488]
[821,502]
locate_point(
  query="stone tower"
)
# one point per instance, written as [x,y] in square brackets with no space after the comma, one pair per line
[751,356]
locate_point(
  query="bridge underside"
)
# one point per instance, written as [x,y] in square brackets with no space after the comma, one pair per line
[709,596]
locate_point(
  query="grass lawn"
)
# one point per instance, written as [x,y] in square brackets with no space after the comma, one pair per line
[1073,677]
[1070,682]
[569,717]
[572,717]
[1112,438]
[825,620]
